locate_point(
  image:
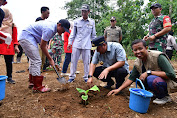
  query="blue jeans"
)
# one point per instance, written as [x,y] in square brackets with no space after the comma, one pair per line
[66,62]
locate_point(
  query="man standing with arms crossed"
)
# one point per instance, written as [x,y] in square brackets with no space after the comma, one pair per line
[158,29]
[113,33]
[82,34]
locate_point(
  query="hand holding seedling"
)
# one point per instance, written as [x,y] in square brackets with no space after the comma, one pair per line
[90,82]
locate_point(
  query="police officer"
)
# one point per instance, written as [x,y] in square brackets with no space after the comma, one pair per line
[158,29]
[113,33]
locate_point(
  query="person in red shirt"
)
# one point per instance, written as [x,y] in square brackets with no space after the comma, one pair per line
[67,54]
[9,50]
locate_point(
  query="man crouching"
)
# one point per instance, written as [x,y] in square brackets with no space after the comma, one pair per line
[153,69]
[114,61]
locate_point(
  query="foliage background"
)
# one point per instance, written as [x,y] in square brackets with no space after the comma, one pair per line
[133,16]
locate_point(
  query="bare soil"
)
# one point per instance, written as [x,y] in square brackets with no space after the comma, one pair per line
[22,102]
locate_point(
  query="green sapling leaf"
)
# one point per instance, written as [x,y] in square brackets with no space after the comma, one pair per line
[81,90]
[95,88]
[85,97]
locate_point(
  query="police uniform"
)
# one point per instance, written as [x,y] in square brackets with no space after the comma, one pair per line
[113,34]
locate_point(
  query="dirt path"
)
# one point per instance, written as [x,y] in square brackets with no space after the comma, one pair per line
[21,102]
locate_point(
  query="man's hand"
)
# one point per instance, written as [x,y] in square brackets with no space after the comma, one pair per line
[53,51]
[51,62]
[145,38]
[17,49]
[90,82]
[69,47]
[152,38]
[103,74]
[143,76]
[113,92]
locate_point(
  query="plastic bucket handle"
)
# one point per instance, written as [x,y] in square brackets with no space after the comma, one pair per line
[142,94]
[140,83]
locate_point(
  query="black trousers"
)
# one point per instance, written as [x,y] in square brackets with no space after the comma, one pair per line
[169,53]
[119,75]
[8,61]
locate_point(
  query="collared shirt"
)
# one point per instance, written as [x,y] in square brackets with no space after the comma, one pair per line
[39,30]
[113,34]
[82,34]
[115,52]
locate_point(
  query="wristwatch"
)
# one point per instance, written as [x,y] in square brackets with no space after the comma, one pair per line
[89,76]
[148,72]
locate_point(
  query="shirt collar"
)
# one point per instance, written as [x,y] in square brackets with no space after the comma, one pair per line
[88,19]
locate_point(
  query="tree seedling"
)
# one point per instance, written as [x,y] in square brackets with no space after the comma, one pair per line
[85,97]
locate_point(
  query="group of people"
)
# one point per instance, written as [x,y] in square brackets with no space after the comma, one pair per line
[151,66]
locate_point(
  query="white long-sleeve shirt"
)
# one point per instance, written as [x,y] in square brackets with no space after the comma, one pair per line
[171,42]
[82,34]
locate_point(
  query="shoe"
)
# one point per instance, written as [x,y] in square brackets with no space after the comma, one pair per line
[30,86]
[77,72]
[70,80]
[38,87]
[10,81]
[163,100]
[108,86]
[85,80]
[64,74]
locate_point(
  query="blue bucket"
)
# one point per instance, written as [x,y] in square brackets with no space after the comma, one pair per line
[139,98]
[2,86]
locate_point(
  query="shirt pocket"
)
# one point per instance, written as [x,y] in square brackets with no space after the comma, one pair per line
[89,28]
[79,28]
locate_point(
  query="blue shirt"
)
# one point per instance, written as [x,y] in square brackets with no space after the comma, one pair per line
[82,34]
[39,30]
[115,52]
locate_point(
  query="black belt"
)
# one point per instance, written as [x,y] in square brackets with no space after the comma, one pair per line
[152,48]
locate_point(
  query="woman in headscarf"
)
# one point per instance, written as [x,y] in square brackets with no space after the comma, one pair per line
[9,50]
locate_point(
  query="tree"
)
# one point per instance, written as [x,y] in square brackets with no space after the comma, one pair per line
[97,8]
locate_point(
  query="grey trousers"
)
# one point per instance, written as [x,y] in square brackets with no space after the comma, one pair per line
[33,54]
[74,60]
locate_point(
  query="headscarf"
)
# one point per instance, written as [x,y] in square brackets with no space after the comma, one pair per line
[7,22]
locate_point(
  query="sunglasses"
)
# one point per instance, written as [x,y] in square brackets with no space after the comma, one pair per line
[112,20]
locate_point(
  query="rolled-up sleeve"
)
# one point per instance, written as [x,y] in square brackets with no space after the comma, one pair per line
[165,66]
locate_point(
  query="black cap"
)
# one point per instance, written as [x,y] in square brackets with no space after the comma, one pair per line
[65,24]
[156,5]
[85,7]
[98,41]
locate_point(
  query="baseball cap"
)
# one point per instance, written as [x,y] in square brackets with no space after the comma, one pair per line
[65,24]
[98,41]
[113,18]
[156,5]
[85,7]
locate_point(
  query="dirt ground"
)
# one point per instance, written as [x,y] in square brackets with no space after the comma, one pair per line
[22,102]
